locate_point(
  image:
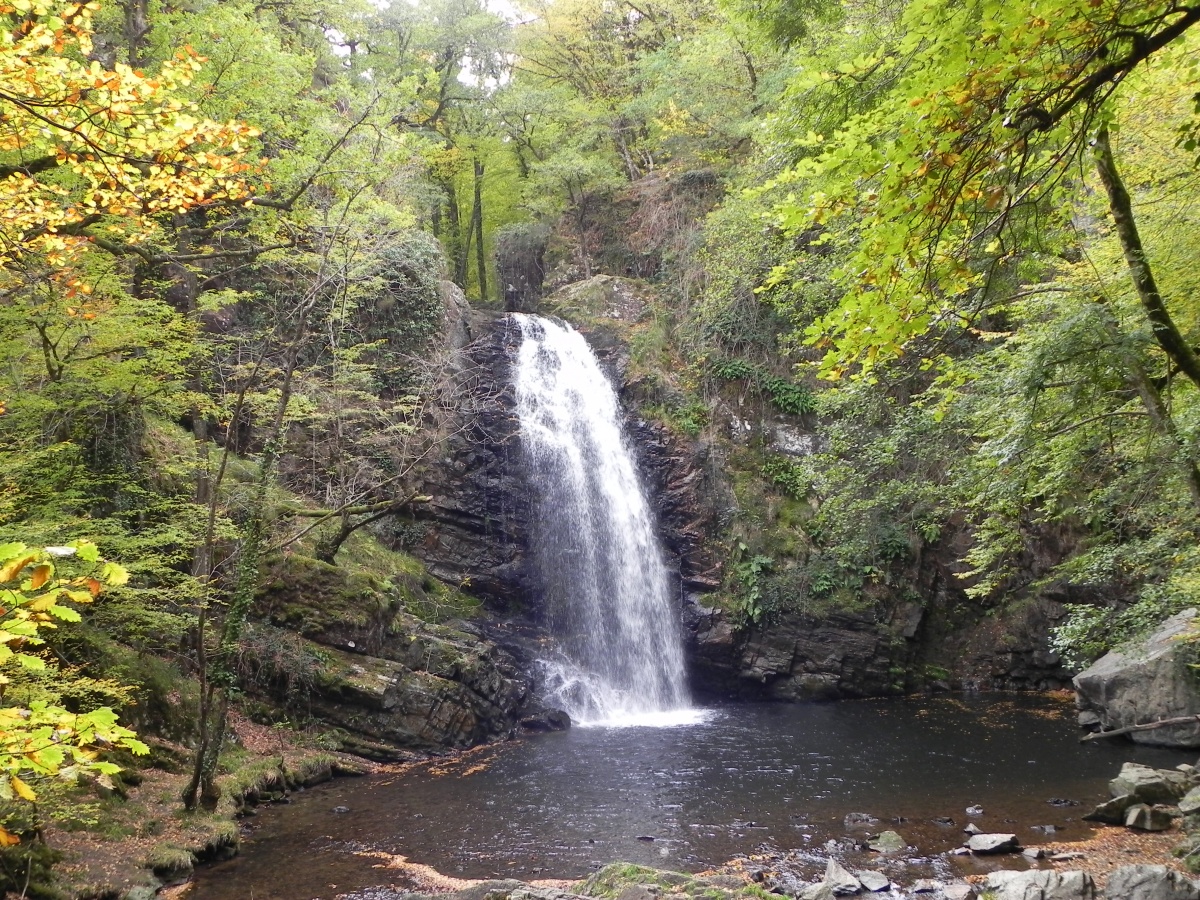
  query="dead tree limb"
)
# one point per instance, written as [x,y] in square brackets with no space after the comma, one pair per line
[1148,726]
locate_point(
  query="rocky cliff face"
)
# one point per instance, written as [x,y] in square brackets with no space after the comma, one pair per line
[474,530]
[385,677]
[475,533]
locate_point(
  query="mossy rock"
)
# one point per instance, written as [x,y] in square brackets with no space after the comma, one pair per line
[622,879]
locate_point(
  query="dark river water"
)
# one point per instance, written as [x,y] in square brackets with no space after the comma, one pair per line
[748,777]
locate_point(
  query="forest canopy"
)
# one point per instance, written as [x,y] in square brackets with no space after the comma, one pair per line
[955,243]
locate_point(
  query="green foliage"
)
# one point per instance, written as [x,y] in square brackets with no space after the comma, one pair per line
[788,396]
[749,571]
[42,740]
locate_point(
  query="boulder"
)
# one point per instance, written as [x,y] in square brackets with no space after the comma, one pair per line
[873,881]
[1112,811]
[993,843]
[859,820]
[1147,818]
[886,842]
[1042,884]
[1149,785]
[820,891]
[840,881]
[1190,802]
[1144,682]
[1150,883]
[959,890]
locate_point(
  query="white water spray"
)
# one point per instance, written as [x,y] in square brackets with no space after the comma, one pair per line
[607,591]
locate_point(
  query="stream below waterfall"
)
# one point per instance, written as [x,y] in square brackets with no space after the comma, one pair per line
[744,777]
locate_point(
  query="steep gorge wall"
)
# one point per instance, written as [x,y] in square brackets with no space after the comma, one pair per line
[474,532]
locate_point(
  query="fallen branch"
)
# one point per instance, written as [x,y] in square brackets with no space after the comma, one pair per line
[1149,726]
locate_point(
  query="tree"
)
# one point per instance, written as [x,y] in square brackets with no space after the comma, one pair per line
[89,152]
[45,740]
[985,108]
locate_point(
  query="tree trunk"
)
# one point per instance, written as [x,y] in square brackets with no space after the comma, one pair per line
[454,232]
[480,256]
[137,28]
[1163,326]
[1140,381]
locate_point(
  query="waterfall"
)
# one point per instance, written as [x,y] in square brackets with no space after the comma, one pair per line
[607,593]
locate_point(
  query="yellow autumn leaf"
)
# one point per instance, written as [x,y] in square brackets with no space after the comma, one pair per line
[24,791]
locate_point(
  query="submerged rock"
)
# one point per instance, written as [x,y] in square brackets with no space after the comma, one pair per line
[858,820]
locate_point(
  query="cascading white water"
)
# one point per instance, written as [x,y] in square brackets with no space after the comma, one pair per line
[607,592]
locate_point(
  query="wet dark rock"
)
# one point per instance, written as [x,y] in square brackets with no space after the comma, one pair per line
[859,820]
[984,844]
[475,532]
[1145,682]
[1043,829]
[539,718]
[944,821]
[1061,803]
[1042,885]
[1144,882]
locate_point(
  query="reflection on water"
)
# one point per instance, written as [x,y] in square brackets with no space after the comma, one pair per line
[685,797]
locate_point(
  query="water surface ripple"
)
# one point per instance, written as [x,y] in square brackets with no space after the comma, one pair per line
[748,776]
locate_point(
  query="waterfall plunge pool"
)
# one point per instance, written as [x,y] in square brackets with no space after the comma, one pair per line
[744,777]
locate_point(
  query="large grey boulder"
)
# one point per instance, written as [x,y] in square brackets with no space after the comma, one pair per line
[1144,682]
[1190,802]
[1112,811]
[1147,818]
[1149,785]
[1041,884]
[1150,883]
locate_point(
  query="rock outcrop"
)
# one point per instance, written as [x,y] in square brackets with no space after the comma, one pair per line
[475,533]
[1147,681]
[389,679]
